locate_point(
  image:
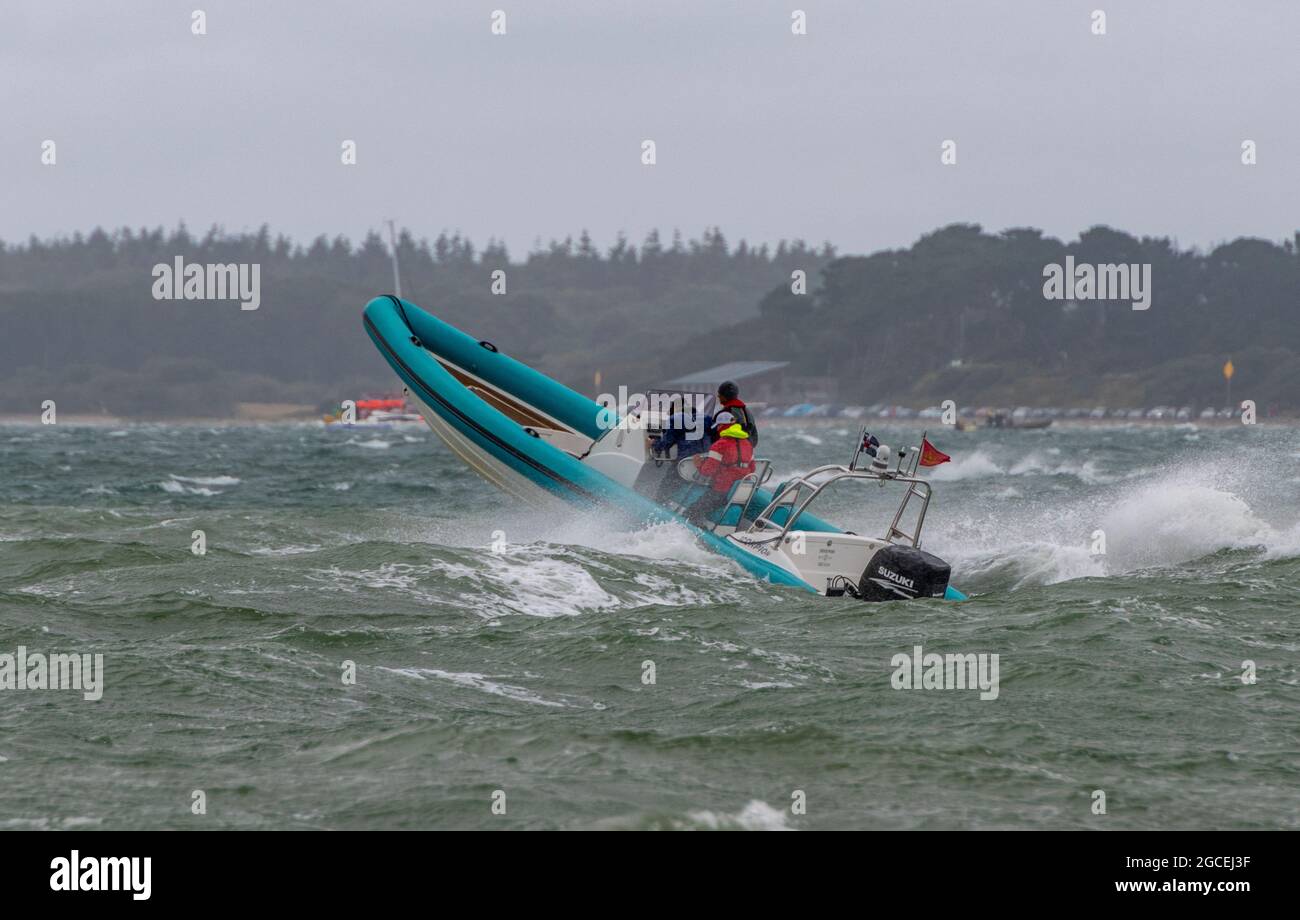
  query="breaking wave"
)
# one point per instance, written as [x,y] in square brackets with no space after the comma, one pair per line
[1177,516]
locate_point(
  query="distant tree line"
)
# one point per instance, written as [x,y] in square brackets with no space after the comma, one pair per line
[80,325]
[959,315]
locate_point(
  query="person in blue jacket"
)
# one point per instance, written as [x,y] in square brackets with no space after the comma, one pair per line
[682,432]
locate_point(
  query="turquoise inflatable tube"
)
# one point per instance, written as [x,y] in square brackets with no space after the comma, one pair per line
[483,360]
[402,332]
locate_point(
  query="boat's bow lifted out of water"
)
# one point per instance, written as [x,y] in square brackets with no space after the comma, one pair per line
[542,442]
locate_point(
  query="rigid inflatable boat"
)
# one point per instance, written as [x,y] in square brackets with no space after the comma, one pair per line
[543,443]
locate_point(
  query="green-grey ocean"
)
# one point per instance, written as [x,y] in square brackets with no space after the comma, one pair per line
[503,659]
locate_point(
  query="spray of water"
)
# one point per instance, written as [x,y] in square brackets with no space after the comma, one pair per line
[1146,519]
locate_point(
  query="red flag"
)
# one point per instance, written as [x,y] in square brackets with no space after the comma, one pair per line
[931,455]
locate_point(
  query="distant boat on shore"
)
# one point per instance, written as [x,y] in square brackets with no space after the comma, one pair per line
[1003,420]
[374,412]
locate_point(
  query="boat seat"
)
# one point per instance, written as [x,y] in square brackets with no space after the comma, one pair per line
[728,519]
[741,498]
[781,513]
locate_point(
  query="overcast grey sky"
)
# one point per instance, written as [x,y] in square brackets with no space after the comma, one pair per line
[834,135]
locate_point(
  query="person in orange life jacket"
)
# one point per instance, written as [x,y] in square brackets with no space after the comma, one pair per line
[730,457]
[729,400]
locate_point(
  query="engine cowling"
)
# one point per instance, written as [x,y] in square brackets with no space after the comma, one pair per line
[903,573]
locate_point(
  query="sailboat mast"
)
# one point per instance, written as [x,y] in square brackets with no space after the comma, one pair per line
[397,277]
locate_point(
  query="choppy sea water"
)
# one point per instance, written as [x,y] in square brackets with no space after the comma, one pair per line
[482,673]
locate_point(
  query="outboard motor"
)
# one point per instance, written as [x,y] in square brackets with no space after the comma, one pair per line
[903,573]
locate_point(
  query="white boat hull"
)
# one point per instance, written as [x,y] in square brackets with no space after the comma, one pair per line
[824,560]
[481,462]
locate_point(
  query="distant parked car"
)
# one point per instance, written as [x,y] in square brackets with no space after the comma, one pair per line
[1228,412]
[1207,413]
[1185,414]
[1098,413]
[930,412]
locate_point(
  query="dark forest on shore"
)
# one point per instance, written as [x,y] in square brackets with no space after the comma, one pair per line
[958,315]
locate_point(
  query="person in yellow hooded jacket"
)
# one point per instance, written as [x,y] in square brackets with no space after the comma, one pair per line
[730,457]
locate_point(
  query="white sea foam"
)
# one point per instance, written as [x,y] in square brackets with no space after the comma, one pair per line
[1168,517]
[291,550]
[979,465]
[657,541]
[755,816]
[975,465]
[1036,463]
[524,527]
[1164,523]
[208,480]
[1284,544]
[478,682]
[544,587]
[179,488]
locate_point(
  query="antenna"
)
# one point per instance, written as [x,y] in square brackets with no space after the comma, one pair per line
[397,277]
[862,436]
